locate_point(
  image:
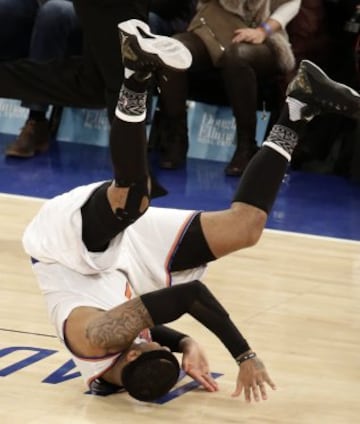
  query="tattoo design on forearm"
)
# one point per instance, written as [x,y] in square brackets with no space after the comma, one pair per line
[118,327]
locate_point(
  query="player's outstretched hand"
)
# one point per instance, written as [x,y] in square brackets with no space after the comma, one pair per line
[253,380]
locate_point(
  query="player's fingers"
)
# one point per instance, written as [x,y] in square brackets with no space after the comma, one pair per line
[255,391]
[262,389]
[211,381]
[238,390]
[203,380]
[247,391]
[270,382]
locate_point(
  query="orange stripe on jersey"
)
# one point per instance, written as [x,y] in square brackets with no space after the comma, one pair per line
[172,251]
[128,292]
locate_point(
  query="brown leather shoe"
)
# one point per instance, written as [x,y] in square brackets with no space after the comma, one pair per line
[33,138]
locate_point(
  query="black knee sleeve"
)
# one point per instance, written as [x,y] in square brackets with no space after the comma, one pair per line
[193,250]
[100,225]
[137,191]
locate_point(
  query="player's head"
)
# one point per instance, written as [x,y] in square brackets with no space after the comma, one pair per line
[150,371]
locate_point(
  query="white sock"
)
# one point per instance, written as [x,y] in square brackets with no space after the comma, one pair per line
[131,106]
[295,108]
[283,140]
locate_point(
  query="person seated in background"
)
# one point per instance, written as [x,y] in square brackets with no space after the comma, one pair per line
[51,32]
[246,41]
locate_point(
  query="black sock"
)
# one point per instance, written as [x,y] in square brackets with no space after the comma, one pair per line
[132,102]
[128,147]
[263,176]
[284,135]
[262,179]
[128,142]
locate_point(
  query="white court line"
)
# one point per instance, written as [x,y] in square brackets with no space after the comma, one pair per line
[19,196]
[312,236]
[268,230]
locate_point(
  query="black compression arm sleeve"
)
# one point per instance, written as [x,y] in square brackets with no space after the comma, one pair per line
[167,337]
[195,298]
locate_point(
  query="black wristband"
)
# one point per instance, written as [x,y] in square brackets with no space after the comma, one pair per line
[244,357]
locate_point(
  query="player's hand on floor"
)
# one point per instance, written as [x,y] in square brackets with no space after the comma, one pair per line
[195,364]
[253,380]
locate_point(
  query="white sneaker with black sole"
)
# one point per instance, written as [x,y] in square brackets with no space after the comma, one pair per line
[144,51]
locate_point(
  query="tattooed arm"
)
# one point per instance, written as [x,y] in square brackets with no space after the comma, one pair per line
[117,328]
[94,332]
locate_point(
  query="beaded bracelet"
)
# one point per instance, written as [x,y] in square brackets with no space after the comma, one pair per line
[267,28]
[242,358]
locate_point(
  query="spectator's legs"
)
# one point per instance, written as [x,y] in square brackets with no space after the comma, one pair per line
[55,25]
[78,82]
[160,26]
[173,132]
[16,23]
[61,82]
[168,27]
[242,66]
[56,33]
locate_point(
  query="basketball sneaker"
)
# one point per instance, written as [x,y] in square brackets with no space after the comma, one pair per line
[144,51]
[320,94]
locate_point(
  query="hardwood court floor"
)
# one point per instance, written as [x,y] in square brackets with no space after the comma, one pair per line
[295,297]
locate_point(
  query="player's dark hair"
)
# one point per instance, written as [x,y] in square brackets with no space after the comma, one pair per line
[151,375]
